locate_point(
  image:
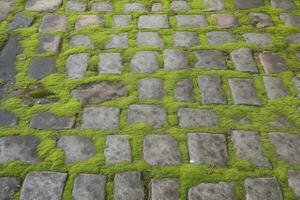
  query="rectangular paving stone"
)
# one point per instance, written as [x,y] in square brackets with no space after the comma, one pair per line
[190,117]
[166,189]
[40,67]
[77,65]
[211,90]
[226,20]
[243,60]
[294,181]
[8,187]
[153,21]
[184,91]
[47,120]
[289,19]
[284,4]
[102,6]
[43,5]
[134,7]
[110,63]
[214,5]
[246,4]
[49,43]
[272,62]
[117,41]
[258,39]
[144,62]
[243,92]
[76,6]
[150,88]
[5,8]
[274,87]
[8,119]
[175,59]
[261,20]
[191,21]
[117,149]
[53,23]
[220,37]
[122,20]
[149,39]
[210,59]
[185,38]
[88,20]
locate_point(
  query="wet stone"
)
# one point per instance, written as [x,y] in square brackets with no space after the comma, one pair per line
[154,115]
[41,185]
[76,148]
[205,148]
[153,21]
[77,65]
[293,38]
[88,20]
[156,7]
[47,120]
[144,62]
[8,119]
[110,63]
[226,20]
[40,67]
[19,148]
[161,150]
[191,21]
[53,23]
[287,147]
[220,37]
[283,4]
[102,6]
[213,191]
[89,187]
[5,8]
[43,5]
[134,7]
[272,62]
[151,88]
[243,92]
[261,20]
[211,90]
[8,187]
[117,149]
[118,41]
[189,117]
[184,91]
[21,21]
[290,19]
[180,5]
[246,4]
[210,59]
[102,118]
[294,181]
[274,87]
[263,188]
[296,82]
[258,38]
[167,189]
[122,20]
[214,5]
[81,40]
[49,43]
[128,186]
[248,146]
[149,39]
[77,6]
[175,59]
[243,60]
[185,39]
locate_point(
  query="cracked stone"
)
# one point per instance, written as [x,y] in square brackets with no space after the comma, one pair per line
[53,23]
[144,62]
[151,88]
[134,7]
[185,39]
[8,119]
[153,21]
[21,21]
[49,43]
[88,20]
[189,117]
[118,41]
[149,39]
[226,20]
[220,37]
[243,60]
[210,59]
[175,59]
[102,6]
[117,149]
[40,67]
[110,63]
[261,20]
[77,65]
[258,38]
[274,87]
[47,120]
[272,62]
[167,189]
[184,91]
[191,21]
[8,187]
[43,5]
[81,40]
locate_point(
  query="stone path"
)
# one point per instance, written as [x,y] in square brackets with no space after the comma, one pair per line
[161,100]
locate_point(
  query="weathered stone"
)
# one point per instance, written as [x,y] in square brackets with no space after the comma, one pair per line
[287,147]
[153,21]
[134,7]
[166,189]
[272,62]
[281,122]
[110,63]
[293,38]
[219,37]
[298,56]
[78,6]
[294,181]
[226,20]
[189,117]
[122,20]
[49,43]
[89,187]
[290,19]
[144,62]
[81,40]
[102,6]
[243,92]
[151,88]
[161,150]
[180,5]
[117,149]
[206,148]
[248,146]
[41,185]
[43,5]
[88,20]
[262,188]
[210,59]
[296,82]
[261,20]
[53,23]
[5,8]
[185,39]
[213,191]
[283,4]
[175,59]
[47,120]
[184,91]
[100,92]
[156,7]
[104,118]
[128,186]
[274,87]
[214,5]
[118,41]
[246,4]
[76,148]
[21,21]
[149,39]
[40,67]
[211,90]
[8,187]
[191,21]
[77,65]
[8,119]
[154,115]
[243,60]
[258,38]
[19,148]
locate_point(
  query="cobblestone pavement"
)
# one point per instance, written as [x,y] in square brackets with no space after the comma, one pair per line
[150,99]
